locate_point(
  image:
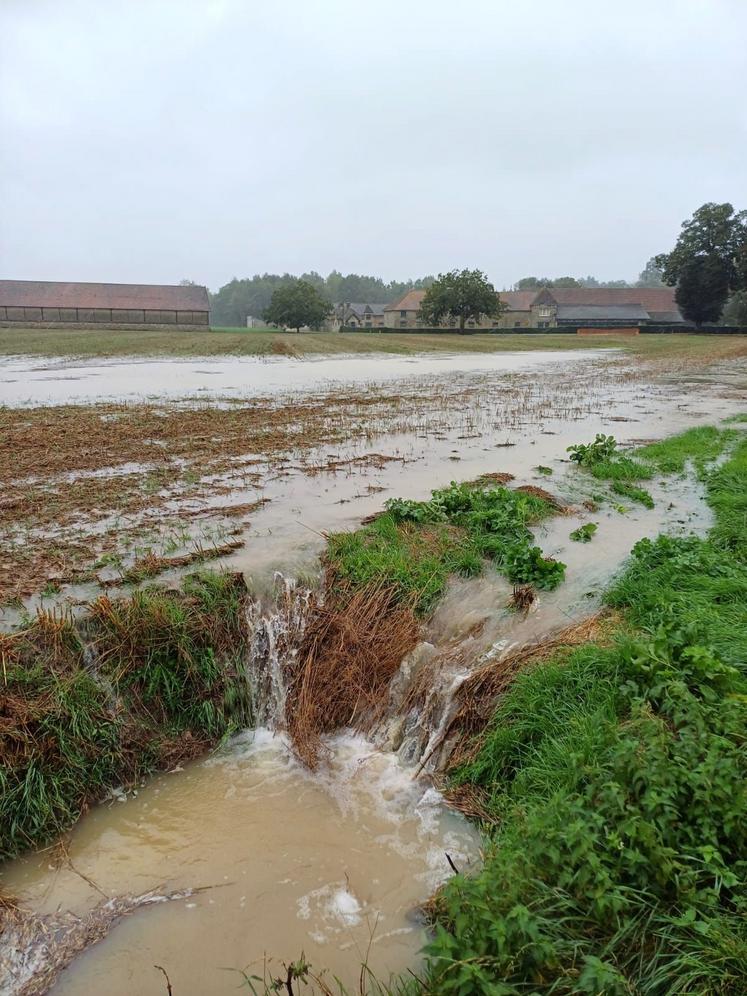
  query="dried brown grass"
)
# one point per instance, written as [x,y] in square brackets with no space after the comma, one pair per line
[558,506]
[353,645]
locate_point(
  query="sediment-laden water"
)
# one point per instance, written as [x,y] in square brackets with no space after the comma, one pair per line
[335,863]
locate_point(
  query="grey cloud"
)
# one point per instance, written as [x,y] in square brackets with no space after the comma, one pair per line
[155,140]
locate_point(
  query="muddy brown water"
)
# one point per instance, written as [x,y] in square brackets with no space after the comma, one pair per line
[333,865]
[35,381]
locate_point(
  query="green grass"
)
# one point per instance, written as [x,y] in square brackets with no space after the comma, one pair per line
[615,778]
[254,342]
[699,447]
[627,490]
[415,546]
[94,704]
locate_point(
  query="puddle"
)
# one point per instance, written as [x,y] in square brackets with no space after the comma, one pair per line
[24,382]
[326,864]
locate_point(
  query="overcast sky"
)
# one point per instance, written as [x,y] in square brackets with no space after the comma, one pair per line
[151,140]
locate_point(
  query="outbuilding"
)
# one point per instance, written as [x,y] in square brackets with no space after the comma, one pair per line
[53,304]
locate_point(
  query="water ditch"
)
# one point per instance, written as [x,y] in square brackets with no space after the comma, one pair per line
[336,863]
[333,863]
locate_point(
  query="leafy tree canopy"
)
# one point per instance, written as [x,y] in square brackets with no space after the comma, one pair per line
[715,230]
[537,283]
[735,312]
[464,295]
[297,304]
[702,288]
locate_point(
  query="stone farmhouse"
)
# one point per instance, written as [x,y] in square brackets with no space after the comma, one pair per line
[357,316]
[590,307]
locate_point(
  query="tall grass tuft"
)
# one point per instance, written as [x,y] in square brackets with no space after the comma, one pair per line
[87,706]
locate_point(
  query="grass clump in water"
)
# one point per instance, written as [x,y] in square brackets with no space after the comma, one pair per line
[614,782]
[415,546]
[585,533]
[627,490]
[701,446]
[139,684]
[602,459]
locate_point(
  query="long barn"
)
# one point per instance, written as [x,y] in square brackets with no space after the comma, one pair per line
[54,304]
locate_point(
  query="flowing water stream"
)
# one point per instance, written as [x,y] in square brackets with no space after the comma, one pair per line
[335,864]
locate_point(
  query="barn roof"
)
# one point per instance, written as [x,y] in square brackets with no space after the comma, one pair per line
[602,312]
[58,294]
[410,301]
[650,298]
[518,300]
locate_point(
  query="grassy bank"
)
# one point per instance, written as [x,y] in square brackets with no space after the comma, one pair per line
[415,545]
[612,784]
[135,686]
[89,343]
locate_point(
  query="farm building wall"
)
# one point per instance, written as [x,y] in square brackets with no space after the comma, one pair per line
[102,316]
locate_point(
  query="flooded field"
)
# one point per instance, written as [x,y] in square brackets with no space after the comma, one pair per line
[273,457]
[29,381]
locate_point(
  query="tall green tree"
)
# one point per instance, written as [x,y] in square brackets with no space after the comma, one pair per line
[715,230]
[464,295]
[735,312]
[702,288]
[296,305]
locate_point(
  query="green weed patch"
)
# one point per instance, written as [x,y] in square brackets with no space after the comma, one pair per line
[415,545]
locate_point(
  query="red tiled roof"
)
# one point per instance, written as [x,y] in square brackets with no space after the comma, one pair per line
[652,298]
[54,294]
[518,300]
[410,301]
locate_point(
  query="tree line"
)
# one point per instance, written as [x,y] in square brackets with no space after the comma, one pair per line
[252,295]
[707,266]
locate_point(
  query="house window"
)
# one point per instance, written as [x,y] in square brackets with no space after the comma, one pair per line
[403,314]
[543,325]
[402,323]
[517,325]
[368,325]
[545,311]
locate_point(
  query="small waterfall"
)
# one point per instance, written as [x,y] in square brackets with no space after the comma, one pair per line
[423,695]
[277,630]
[422,703]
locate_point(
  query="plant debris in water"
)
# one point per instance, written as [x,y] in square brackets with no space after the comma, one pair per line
[584,533]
